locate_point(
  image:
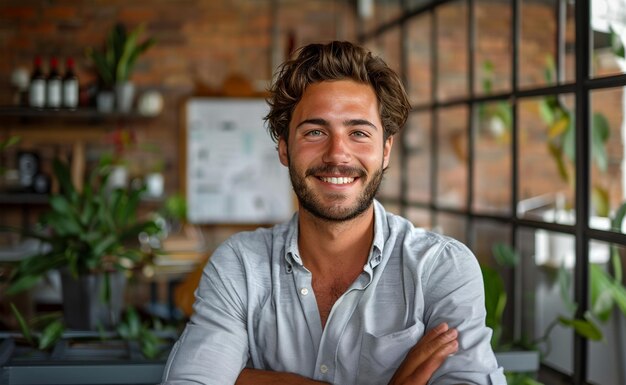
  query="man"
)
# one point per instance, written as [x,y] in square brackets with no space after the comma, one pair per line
[344,293]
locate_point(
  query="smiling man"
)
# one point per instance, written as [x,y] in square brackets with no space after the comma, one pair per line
[344,293]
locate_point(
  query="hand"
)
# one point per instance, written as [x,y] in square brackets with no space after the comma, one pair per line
[426,356]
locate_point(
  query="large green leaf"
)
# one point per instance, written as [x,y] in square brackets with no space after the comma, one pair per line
[600,201]
[617,45]
[584,327]
[601,293]
[22,323]
[63,176]
[505,255]
[565,283]
[51,334]
[495,301]
[600,132]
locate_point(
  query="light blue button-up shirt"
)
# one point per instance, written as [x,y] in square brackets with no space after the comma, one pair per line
[255,307]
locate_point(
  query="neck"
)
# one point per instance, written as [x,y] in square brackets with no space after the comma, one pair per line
[326,245]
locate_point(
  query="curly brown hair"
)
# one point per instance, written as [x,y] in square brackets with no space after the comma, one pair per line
[337,60]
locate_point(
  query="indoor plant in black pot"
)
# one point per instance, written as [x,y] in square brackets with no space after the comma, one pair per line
[116,62]
[92,238]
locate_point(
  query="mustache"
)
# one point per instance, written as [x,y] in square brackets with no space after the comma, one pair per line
[341,170]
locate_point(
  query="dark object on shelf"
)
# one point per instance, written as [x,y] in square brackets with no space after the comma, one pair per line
[41,184]
[28,167]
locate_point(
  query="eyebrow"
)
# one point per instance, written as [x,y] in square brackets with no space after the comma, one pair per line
[349,122]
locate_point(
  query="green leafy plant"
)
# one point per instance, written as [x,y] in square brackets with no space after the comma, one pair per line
[497,116]
[51,326]
[606,293]
[116,62]
[134,330]
[562,141]
[93,230]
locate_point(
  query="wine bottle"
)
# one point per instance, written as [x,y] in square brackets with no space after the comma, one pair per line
[70,85]
[37,86]
[53,85]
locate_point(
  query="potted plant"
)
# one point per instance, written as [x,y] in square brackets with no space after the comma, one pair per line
[92,238]
[116,63]
[520,359]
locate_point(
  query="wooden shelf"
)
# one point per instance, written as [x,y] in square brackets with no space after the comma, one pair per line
[24,199]
[81,114]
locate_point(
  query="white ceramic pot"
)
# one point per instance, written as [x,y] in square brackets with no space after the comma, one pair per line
[124,96]
[154,184]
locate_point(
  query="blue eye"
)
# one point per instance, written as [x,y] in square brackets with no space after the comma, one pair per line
[314,133]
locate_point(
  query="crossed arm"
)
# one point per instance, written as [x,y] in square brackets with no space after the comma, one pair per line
[416,369]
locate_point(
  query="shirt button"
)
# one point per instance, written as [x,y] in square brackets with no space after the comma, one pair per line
[324,369]
[304,291]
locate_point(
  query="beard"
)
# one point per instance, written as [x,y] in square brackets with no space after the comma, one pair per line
[335,211]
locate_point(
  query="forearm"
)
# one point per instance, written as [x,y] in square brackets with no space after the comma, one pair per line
[263,377]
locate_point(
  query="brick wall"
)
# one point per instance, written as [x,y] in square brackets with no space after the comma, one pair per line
[200,44]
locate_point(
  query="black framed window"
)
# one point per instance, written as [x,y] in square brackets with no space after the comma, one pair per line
[518,136]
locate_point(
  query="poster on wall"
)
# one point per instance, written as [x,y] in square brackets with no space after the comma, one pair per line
[233,171]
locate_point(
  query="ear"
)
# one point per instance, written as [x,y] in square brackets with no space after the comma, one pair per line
[387,151]
[283,154]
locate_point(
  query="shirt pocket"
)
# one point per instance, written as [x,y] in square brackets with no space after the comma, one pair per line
[381,355]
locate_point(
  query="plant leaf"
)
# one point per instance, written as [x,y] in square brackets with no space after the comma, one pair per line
[505,255]
[558,128]
[22,323]
[51,334]
[600,201]
[584,327]
[600,132]
[601,294]
[565,282]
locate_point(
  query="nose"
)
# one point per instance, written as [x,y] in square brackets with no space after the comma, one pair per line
[337,151]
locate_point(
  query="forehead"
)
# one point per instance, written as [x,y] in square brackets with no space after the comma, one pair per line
[335,97]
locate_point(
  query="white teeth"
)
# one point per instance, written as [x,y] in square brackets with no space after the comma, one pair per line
[335,180]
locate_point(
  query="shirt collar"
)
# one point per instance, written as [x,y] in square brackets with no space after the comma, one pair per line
[381,230]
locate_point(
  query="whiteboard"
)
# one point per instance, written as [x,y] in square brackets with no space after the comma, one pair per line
[233,171]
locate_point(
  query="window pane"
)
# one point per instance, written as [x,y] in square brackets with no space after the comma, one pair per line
[608,23]
[492,158]
[452,157]
[607,156]
[488,234]
[542,253]
[568,47]
[417,146]
[419,71]
[538,43]
[492,61]
[452,225]
[419,217]
[606,358]
[379,12]
[546,147]
[387,46]
[452,50]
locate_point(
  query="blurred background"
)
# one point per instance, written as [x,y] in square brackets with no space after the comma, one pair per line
[132,144]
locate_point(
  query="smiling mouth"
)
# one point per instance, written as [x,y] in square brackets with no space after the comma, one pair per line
[337,180]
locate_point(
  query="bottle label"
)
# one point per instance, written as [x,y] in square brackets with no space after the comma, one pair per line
[37,93]
[54,93]
[70,93]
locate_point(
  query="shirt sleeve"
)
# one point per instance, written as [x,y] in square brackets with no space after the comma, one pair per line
[454,293]
[213,348]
